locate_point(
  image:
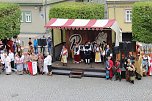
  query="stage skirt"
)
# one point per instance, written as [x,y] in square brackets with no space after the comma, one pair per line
[32,67]
[97,57]
[64,59]
[77,58]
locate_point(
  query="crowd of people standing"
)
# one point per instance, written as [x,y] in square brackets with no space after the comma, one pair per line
[128,67]
[13,58]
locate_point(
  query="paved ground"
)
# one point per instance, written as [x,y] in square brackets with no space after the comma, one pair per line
[61,88]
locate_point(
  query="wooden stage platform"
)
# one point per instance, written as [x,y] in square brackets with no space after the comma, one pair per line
[87,70]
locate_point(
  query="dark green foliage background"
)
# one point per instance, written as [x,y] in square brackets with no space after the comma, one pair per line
[77,10]
[10,15]
[142,22]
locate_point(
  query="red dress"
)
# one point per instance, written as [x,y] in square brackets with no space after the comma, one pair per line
[110,66]
[150,68]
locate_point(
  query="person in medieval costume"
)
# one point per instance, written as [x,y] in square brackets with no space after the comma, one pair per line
[138,67]
[131,57]
[87,53]
[145,64]
[26,59]
[11,55]
[7,61]
[150,66]
[98,54]
[45,69]
[40,64]
[64,55]
[2,55]
[49,64]
[82,52]
[107,70]
[131,71]
[108,52]
[77,57]
[34,59]
[128,68]
[19,63]
[109,66]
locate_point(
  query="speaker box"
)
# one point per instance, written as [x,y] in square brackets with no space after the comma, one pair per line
[42,42]
[123,46]
[116,50]
[120,45]
[39,42]
[128,46]
[133,46]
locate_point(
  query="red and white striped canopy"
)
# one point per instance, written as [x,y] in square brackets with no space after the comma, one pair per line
[90,24]
[86,24]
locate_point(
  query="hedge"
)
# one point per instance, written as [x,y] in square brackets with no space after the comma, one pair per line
[142,22]
[77,10]
[9,20]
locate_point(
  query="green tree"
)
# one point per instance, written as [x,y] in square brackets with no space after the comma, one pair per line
[9,20]
[142,22]
[77,10]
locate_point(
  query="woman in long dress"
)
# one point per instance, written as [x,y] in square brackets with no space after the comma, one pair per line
[145,64]
[40,64]
[45,69]
[77,57]
[98,54]
[64,56]
[138,67]
[7,62]
[150,65]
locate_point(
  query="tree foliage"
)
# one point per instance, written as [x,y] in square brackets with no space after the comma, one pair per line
[9,20]
[142,22]
[77,10]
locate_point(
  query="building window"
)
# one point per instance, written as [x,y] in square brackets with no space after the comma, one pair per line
[22,17]
[128,15]
[28,17]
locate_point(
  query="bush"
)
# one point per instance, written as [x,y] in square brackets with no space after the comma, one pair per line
[9,20]
[142,22]
[77,10]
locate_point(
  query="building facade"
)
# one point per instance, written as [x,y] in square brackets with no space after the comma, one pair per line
[34,14]
[121,10]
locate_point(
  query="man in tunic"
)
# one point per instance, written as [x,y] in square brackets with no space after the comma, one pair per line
[87,53]
[108,52]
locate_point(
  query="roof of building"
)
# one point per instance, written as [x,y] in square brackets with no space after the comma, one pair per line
[127,0]
[31,2]
[22,1]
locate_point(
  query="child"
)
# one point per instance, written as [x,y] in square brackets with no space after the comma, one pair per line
[118,70]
